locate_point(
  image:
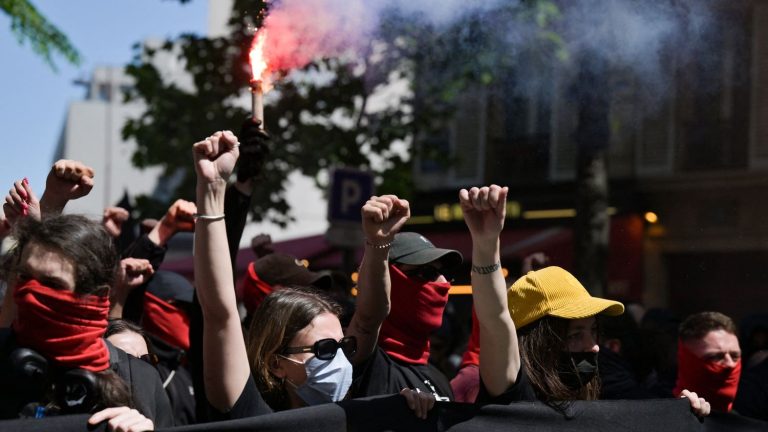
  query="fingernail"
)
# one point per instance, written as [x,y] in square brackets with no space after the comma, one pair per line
[26,182]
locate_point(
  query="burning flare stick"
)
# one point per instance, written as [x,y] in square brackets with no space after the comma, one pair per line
[259,70]
[257,103]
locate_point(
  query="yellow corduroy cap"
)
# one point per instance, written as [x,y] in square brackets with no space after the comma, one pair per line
[554,291]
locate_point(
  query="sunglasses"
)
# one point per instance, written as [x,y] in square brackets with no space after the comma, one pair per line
[325,349]
[424,272]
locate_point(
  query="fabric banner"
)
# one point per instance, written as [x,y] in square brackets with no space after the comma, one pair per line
[390,413]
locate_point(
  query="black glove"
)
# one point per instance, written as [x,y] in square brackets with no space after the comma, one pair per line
[254,149]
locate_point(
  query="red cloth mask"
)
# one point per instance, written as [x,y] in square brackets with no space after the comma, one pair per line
[417,311]
[64,327]
[167,322]
[254,290]
[472,354]
[712,381]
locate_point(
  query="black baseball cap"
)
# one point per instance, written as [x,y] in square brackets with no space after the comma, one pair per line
[415,249]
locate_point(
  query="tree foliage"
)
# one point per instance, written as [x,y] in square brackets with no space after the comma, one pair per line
[29,25]
[321,116]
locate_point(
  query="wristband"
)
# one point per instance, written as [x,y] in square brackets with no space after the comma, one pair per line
[209,217]
[486,269]
[378,246]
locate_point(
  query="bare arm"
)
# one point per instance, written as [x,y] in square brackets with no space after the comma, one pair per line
[484,211]
[225,361]
[382,217]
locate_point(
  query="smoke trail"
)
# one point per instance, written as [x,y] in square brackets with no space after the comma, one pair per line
[301,31]
[640,37]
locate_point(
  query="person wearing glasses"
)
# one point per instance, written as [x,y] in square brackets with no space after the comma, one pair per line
[296,353]
[403,273]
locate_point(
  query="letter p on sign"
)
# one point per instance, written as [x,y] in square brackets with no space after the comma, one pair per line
[349,190]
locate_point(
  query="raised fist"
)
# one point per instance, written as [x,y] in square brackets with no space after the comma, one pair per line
[383,216]
[215,157]
[67,180]
[180,216]
[113,219]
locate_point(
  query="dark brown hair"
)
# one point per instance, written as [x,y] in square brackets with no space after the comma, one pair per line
[541,344]
[78,238]
[697,326]
[276,321]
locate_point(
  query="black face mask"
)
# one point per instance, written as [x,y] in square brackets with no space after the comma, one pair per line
[576,369]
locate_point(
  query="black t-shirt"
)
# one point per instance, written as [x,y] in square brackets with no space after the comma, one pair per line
[520,391]
[752,397]
[382,375]
[249,404]
[147,391]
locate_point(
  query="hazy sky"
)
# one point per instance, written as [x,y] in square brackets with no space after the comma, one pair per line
[34,98]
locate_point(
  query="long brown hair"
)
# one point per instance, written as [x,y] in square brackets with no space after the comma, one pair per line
[275,323]
[541,344]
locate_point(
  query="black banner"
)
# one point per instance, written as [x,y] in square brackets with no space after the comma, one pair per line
[390,413]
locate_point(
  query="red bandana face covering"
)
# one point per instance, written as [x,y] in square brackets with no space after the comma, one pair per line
[254,290]
[710,380]
[472,354]
[417,311]
[62,326]
[165,321]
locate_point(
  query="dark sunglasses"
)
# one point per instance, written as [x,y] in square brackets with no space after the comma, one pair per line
[424,272]
[325,349]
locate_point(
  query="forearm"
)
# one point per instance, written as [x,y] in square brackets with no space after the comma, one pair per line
[374,286]
[51,205]
[213,269]
[161,234]
[500,364]
[373,300]
[116,309]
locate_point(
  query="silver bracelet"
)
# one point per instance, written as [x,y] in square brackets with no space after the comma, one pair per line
[483,270]
[209,217]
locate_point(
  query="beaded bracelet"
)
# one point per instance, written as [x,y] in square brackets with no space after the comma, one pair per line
[378,246]
[209,217]
[486,269]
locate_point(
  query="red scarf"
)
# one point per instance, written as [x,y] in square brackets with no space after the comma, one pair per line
[710,380]
[417,311]
[254,290]
[472,354]
[165,321]
[64,327]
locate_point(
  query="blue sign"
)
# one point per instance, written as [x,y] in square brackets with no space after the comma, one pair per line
[349,190]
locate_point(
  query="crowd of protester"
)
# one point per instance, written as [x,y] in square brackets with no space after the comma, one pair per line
[90,323]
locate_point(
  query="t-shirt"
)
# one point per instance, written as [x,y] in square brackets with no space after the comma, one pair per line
[520,391]
[380,375]
[248,404]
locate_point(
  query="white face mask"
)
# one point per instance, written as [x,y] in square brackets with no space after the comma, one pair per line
[327,380]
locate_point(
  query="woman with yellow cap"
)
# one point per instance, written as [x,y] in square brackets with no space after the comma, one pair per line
[543,329]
